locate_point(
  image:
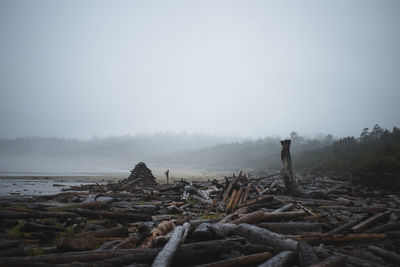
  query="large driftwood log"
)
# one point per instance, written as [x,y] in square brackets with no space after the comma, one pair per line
[354,261]
[240,261]
[346,226]
[118,231]
[338,238]
[384,228]
[196,253]
[252,233]
[385,254]
[353,209]
[236,200]
[261,216]
[292,227]
[332,261]
[166,255]
[370,222]
[306,254]
[285,215]
[36,215]
[262,236]
[250,218]
[286,258]
[115,215]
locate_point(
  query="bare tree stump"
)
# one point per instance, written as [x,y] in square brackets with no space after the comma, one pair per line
[292,187]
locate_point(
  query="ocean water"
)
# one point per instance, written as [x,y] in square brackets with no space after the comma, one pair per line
[29,187]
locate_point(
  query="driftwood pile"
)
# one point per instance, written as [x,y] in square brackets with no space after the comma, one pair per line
[236,221]
[141,175]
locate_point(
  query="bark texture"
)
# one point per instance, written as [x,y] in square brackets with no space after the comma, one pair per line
[292,187]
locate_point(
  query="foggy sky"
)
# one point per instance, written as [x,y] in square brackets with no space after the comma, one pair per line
[244,68]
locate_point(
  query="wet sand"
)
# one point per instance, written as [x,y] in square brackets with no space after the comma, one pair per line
[52,184]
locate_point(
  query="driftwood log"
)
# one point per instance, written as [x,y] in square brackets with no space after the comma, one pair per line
[286,258]
[240,261]
[166,255]
[306,254]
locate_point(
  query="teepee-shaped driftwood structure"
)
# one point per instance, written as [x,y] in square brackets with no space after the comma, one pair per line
[141,175]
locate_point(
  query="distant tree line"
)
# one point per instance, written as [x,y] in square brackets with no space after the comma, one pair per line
[373,157]
[138,147]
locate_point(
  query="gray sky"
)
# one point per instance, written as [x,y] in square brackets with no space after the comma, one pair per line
[246,68]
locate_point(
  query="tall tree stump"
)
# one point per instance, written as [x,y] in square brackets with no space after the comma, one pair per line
[292,187]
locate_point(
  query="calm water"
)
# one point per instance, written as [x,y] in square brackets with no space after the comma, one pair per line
[10,186]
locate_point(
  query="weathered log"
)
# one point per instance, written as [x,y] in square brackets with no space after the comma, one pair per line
[291,184]
[284,208]
[246,194]
[161,229]
[385,254]
[207,231]
[348,259]
[82,243]
[331,261]
[257,201]
[384,228]
[234,192]
[12,252]
[166,255]
[312,202]
[115,215]
[353,209]
[203,200]
[286,258]
[203,232]
[236,200]
[240,261]
[292,227]
[227,192]
[118,231]
[204,252]
[306,254]
[250,218]
[33,227]
[276,216]
[36,215]
[262,236]
[196,253]
[338,238]
[346,226]
[370,222]
[161,240]
[253,234]
[5,244]
[362,254]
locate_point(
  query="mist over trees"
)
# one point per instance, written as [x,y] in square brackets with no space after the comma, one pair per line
[374,154]
[120,152]
[263,153]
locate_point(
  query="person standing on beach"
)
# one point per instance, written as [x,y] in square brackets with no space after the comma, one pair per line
[167,174]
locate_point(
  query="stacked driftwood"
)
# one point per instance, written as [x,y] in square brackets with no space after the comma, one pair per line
[236,221]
